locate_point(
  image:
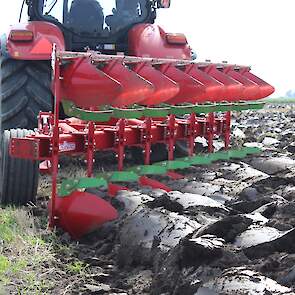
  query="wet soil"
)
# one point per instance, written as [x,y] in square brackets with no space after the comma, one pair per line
[228,228]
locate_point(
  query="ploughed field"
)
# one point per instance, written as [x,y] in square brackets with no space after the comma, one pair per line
[227,228]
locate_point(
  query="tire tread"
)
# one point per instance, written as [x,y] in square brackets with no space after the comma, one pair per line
[26,91]
[19,177]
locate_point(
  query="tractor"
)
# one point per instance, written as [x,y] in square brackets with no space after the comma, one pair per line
[83,76]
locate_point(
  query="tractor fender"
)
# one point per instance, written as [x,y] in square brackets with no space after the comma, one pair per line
[45,34]
[150,40]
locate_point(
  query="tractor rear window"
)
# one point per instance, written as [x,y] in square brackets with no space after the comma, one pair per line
[94,17]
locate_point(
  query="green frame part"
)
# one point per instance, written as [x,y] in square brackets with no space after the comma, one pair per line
[130,113]
[97,116]
[156,112]
[149,170]
[173,165]
[180,110]
[134,173]
[137,112]
[197,160]
[237,154]
[205,108]
[70,185]
[122,176]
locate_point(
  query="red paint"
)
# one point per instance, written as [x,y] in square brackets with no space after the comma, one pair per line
[175,176]
[43,46]
[119,83]
[189,89]
[234,89]
[214,90]
[81,213]
[147,140]
[192,134]
[120,141]
[130,134]
[147,40]
[87,86]
[44,32]
[210,132]
[145,181]
[227,130]
[55,138]
[114,189]
[264,88]
[25,148]
[134,89]
[164,88]
[251,89]
[171,135]
[90,149]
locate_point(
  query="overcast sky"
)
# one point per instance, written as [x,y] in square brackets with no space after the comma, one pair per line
[259,33]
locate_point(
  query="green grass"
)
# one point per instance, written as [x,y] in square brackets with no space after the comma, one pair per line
[76,267]
[22,253]
[34,260]
[279,100]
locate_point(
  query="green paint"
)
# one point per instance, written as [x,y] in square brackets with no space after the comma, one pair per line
[97,116]
[149,170]
[161,168]
[131,113]
[70,185]
[156,112]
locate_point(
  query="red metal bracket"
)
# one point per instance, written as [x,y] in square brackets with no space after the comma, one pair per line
[25,148]
[145,181]
[113,189]
[120,143]
[175,176]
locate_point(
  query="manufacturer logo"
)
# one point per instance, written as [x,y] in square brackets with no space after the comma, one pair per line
[67,146]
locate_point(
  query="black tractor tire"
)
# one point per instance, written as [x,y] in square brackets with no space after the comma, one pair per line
[26,90]
[19,178]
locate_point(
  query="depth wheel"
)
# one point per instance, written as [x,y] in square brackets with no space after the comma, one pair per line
[19,178]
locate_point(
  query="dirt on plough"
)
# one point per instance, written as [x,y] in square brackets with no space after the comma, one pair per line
[227,228]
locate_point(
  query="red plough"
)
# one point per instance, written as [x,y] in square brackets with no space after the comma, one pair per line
[129,86]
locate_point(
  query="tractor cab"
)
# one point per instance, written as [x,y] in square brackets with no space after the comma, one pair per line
[95,24]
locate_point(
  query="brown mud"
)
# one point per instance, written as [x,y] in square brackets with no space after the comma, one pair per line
[228,228]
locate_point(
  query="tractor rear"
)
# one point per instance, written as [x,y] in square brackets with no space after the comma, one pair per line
[117,82]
